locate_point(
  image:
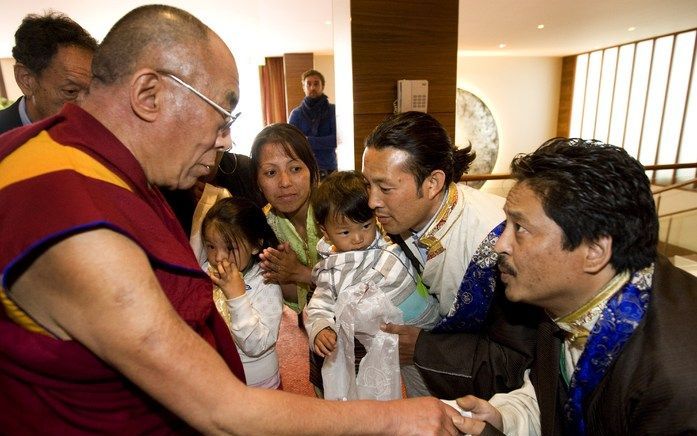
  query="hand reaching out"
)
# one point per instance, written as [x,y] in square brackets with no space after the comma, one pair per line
[482,412]
[426,416]
[325,342]
[228,278]
[407,340]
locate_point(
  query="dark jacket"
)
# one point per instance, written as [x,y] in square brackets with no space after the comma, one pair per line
[323,140]
[9,117]
[481,364]
[652,386]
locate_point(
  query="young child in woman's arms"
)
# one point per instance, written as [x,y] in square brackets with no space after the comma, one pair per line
[355,252]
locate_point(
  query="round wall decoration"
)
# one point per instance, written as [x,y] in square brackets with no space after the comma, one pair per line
[475,125]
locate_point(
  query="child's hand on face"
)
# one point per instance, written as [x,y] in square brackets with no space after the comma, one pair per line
[228,278]
[325,342]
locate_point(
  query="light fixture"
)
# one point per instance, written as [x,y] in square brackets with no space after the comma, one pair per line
[631,29]
[502,45]
[328,22]
[540,26]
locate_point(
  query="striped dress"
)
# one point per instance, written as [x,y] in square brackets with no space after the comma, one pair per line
[383,264]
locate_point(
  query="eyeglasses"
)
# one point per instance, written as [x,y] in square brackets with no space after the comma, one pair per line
[228,116]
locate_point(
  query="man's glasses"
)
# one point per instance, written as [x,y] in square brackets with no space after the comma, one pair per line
[228,116]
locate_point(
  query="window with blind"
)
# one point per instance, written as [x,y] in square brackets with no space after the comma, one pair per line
[641,96]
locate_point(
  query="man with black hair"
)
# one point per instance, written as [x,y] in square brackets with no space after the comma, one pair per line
[53,55]
[449,229]
[316,118]
[615,355]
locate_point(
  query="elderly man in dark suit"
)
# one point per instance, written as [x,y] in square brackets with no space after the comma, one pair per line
[53,57]
[615,355]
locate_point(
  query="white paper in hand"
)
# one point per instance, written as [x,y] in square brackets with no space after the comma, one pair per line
[454,405]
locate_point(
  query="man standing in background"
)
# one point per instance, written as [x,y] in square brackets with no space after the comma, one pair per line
[53,55]
[316,118]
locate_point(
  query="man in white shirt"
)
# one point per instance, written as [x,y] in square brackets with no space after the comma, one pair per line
[449,230]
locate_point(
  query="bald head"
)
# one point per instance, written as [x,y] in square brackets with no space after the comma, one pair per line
[147,33]
[165,85]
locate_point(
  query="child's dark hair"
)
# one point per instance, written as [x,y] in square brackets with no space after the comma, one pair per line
[342,193]
[238,219]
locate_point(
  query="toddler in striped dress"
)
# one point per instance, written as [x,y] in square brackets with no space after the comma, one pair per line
[355,253]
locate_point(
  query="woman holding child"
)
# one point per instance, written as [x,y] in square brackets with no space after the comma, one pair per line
[286,173]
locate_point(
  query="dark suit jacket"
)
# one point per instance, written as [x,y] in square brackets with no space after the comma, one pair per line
[9,117]
[652,386]
[482,364]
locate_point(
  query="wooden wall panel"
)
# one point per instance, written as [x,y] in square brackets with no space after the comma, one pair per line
[566,95]
[295,64]
[363,124]
[402,40]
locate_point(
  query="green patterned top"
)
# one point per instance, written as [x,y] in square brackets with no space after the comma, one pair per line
[305,250]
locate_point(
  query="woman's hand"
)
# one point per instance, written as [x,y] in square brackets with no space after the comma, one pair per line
[281,265]
[229,279]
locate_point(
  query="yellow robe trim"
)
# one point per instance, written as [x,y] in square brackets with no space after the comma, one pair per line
[19,317]
[42,155]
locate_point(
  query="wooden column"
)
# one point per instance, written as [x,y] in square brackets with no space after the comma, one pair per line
[566,95]
[406,39]
[294,65]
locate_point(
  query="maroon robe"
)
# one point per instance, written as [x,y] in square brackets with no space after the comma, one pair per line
[65,175]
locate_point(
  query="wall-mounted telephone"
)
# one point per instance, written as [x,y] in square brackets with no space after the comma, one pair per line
[412,95]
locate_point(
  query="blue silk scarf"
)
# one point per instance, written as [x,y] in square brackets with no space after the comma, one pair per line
[476,290]
[621,316]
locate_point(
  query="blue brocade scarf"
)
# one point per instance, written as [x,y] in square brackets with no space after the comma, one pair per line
[620,317]
[476,291]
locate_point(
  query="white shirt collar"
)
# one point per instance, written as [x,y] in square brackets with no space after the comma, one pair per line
[23,111]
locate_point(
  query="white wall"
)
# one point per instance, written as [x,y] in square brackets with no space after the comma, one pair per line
[325,65]
[678,229]
[343,73]
[523,96]
[8,77]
